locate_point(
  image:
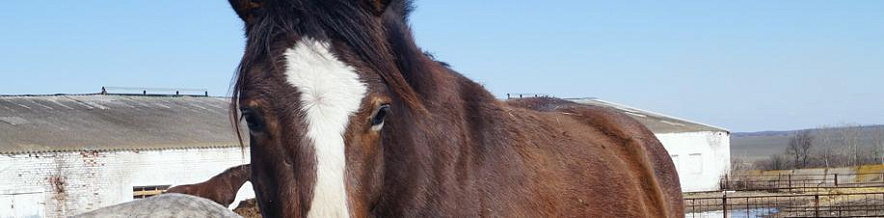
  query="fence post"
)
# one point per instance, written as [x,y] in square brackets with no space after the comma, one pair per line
[724,204]
[816,205]
[836,180]
[693,207]
[790,181]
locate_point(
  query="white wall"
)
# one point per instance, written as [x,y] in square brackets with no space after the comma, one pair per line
[701,158]
[70,183]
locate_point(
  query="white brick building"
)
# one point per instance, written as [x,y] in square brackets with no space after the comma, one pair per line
[700,152]
[68,154]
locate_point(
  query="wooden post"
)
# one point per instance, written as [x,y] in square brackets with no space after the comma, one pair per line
[779,181]
[693,208]
[790,181]
[816,205]
[724,204]
[836,180]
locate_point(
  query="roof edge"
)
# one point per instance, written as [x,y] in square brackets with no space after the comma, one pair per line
[43,151]
[108,94]
[650,112]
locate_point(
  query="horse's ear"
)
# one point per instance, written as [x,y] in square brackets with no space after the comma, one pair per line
[247,10]
[378,6]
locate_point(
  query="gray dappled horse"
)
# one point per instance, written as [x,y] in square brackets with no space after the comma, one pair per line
[165,205]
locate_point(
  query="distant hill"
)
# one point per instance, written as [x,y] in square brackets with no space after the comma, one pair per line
[757,145]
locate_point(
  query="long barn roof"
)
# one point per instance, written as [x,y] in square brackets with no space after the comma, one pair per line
[50,123]
[30,124]
[656,122]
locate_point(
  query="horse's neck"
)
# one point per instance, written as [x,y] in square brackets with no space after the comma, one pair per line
[442,90]
[447,133]
[235,177]
[442,147]
[429,150]
[243,174]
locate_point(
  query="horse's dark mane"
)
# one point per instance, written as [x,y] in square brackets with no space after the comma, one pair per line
[433,57]
[403,8]
[346,21]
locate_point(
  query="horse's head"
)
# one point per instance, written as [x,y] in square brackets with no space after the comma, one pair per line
[316,84]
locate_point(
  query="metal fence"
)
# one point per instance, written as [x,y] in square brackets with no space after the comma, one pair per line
[798,205]
[801,181]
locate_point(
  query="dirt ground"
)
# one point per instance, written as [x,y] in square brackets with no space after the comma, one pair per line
[248,209]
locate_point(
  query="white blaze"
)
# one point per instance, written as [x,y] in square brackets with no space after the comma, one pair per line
[330,92]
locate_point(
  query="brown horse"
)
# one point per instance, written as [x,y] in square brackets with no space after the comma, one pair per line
[347,117]
[221,188]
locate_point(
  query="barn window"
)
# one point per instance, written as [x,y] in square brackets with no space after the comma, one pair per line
[140,192]
[695,163]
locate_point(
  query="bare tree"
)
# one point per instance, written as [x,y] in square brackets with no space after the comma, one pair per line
[850,139]
[829,146]
[778,162]
[878,140]
[774,162]
[826,141]
[799,147]
[871,155]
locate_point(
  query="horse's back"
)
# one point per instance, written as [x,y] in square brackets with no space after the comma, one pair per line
[609,163]
[165,205]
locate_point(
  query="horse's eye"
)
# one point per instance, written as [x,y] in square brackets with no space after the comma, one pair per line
[253,119]
[377,120]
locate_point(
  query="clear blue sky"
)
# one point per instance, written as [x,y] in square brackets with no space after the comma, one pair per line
[747,66]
